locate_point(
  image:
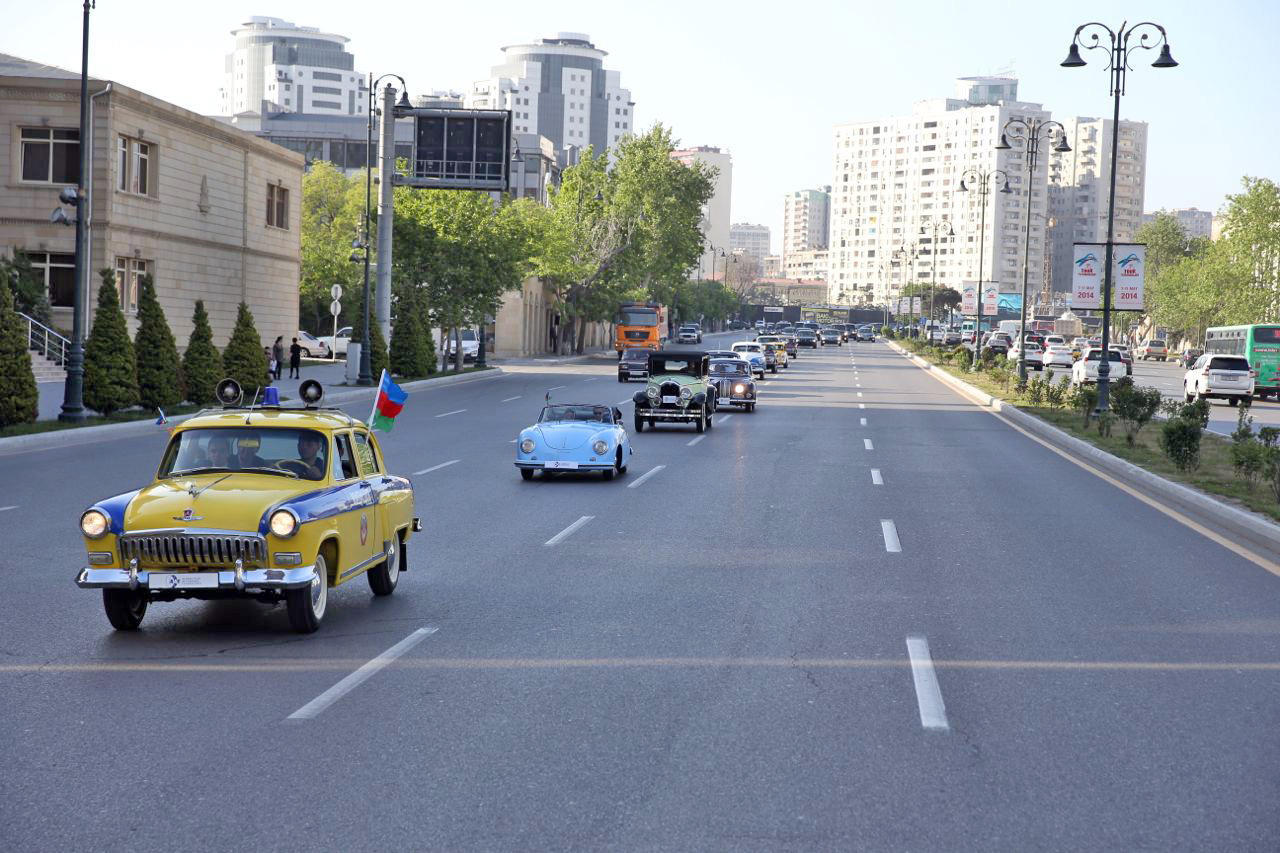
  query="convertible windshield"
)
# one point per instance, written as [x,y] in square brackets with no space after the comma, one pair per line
[671,365]
[284,452]
[598,414]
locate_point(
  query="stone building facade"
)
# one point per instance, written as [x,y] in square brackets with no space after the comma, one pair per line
[209,211]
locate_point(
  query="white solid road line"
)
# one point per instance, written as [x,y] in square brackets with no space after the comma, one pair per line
[876,479]
[454,412]
[568,531]
[891,543]
[862,421]
[557,387]
[866,442]
[933,713]
[509,399]
[725,418]
[592,379]
[646,475]
[438,467]
[313,708]
[696,440]
[3,508]
[624,402]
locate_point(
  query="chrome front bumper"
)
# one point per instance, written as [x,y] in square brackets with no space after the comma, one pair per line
[228,579]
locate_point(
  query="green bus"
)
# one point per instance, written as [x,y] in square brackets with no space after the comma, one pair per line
[1260,344]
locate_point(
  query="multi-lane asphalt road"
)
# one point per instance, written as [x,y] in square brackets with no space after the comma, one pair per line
[867,616]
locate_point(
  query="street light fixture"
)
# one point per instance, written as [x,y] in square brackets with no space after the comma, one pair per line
[1030,133]
[984,182]
[1117,47]
[912,251]
[934,231]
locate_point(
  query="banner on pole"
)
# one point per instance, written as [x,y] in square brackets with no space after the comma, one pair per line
[1130,277]
[904,305]
[969,298]
[1086,275]
[917,304]
[990,298]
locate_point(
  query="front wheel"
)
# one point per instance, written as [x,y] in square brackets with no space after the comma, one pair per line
[773,369]
[382,580]
[307,604]
[701,423]
[125,608]
[306,353]
[639,424]
[526,474]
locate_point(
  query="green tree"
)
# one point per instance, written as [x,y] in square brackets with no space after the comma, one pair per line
[378,351]
[332,215]
[110,372]
[244,359]
[411,355]
[19,397]
[29,295]
[159,370]
[201,363]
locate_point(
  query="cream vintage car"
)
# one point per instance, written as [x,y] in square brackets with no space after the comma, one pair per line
[269,503]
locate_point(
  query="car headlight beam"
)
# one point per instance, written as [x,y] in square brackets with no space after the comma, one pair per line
[600,447]
[527,445]
[739,388]
[94,524]
[283,523]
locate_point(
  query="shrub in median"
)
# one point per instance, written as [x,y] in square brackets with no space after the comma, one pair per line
[19,397]
[156,354]
[1180,441]
[1084,399]
[1134,407]
[201,363]
[110,372]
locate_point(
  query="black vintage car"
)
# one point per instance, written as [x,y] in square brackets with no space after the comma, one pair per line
[634,364]
[679,391]
[807,338]
[733,383]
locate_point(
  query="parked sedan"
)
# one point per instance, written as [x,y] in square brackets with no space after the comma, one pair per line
[338,343]
[312,346]
[1221,377]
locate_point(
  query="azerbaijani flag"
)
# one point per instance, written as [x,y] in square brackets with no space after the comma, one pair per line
[387,404]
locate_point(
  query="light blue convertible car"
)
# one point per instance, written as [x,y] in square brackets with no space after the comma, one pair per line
[575,437]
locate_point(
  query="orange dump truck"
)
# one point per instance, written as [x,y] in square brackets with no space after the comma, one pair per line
[640,325]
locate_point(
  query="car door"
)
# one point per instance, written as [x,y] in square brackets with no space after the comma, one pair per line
[354,524]
[371,469]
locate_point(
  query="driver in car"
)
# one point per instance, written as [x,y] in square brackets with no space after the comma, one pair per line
[309,447]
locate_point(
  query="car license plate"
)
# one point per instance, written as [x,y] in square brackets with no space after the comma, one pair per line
[560,464]
[725,400]
[670,399]
[183,580]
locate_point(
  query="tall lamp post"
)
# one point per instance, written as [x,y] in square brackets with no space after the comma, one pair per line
[934,231]
[1030,132]
[1150,36]
[911,251]
[984,180]
[73,388]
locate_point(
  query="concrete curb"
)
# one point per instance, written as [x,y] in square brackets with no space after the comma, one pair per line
[1250,528]
[107,432]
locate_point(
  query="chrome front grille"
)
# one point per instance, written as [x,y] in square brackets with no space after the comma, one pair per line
[183,548]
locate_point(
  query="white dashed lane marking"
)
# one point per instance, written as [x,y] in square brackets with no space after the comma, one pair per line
[933,713]
[317,705]
[568,531]
[509,399]
[696,440]
[862,421]
[876,479]
[890,531]
[454,412]
[438,467]
[725,418]
[646,475]
[4,508]
[866,442]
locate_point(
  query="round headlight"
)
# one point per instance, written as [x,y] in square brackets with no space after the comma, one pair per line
[739,388]
[94,524]
[686,393]
[527,446]
[600,448]
[652,391]
[283,523]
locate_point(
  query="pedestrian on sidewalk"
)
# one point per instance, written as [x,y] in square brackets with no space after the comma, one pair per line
[295,360]
[271,365]
[277,356]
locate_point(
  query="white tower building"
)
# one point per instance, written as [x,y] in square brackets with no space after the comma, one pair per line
[278,66]
[806,221]
[894,175]
[715,220]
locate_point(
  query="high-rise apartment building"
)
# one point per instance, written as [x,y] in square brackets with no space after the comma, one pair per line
[1079,188]
[280,67]
[1194,221]
[805,220]
[715,219]
[896,175]
[559,88]
[753,240]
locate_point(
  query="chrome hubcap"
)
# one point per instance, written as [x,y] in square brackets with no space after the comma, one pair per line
[319,588]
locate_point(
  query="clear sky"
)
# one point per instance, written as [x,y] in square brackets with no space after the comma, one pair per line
[767,80]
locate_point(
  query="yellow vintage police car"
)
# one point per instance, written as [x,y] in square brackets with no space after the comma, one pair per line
[269,503]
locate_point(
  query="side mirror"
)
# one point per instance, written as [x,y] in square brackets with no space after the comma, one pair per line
[617,415]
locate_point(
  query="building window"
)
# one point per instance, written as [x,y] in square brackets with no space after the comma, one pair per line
[128,273]
[277,206]
[50,155]
[58,272]
[135,166]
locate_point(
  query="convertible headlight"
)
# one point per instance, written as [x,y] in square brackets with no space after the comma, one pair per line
[283,523]
[527,446]
[652,391]
[686,393]
[739,388]
[600,448]
[94,524]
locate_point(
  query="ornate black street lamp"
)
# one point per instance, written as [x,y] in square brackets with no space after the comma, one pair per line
[1030,132]
[983,180]
[934,230]
[73,387]
[1150,36]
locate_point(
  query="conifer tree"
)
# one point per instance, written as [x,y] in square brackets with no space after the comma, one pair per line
[19,397]
[244,359]
[202,363]
[110,372]
[409,356]
[159,370]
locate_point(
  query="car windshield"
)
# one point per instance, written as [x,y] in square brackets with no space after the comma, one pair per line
[747,347]
[264,450]
[637,317]
[726,368]
[672,365]
[632,354]
[574,412]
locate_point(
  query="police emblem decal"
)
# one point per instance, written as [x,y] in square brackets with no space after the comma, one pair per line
[364,528]
[188,514]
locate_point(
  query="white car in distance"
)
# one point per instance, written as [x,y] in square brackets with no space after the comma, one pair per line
[1220,377]
[1085,371]
[1058,356]
[1035,356]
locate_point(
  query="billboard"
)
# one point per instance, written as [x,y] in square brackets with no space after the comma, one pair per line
[1128,285]
[459,149]
[772,309]
[1086,275]
[969,298]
